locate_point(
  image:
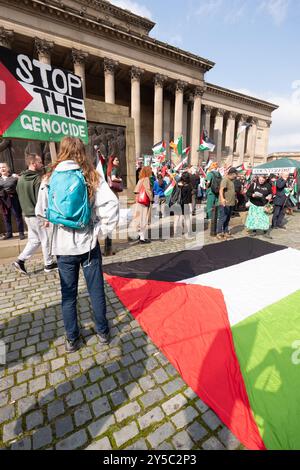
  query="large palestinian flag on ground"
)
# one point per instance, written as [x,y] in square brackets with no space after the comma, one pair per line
[228,318]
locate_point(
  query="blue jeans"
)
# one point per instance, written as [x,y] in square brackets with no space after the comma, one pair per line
[224,218]
[69,267]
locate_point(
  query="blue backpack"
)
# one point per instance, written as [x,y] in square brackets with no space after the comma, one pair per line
[68,202]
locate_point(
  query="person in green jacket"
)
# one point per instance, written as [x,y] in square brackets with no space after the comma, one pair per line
[28,189]
[212,197]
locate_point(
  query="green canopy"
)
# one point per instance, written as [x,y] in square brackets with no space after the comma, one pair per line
[277,166]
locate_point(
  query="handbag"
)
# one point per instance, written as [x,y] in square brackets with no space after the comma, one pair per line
[143,197]
[116,186]
[268,209]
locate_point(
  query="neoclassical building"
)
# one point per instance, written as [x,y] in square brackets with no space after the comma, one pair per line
[138,90]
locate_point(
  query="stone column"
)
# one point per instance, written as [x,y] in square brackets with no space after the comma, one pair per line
[167,122]
[158,107]
[136,73]
[79,58]
[198,93]
[266,140]
[44,49]
[109,78]
[218,133]
[185,121]
[240,145]
[178,117]
[252,140]
[6,37]
[206,127]
[229,138]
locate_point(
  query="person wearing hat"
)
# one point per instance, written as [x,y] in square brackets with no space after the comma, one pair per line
[227,200]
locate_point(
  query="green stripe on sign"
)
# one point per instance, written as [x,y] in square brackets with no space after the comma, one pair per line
[268,348]
[42,126]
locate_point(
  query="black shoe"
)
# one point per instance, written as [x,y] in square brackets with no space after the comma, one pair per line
[20,266]
[145,241]
[51,268]
[7,236]
[72,346]
[103,338]
[22,236]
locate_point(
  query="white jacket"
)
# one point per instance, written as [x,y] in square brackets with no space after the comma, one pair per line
[105,213]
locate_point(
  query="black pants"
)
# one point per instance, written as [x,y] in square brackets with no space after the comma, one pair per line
[17,211]
[278,216]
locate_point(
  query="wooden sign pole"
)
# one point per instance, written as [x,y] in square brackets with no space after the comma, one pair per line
[52,151]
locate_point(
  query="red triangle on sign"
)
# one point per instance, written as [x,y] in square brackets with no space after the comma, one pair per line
[14,98]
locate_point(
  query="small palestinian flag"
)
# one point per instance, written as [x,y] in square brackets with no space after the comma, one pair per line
[206,143]
[186,152]
[181,164]
[240,168]
[170,188]
[227,316]
[159,148]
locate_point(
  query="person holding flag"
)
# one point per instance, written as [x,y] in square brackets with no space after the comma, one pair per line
[213,181]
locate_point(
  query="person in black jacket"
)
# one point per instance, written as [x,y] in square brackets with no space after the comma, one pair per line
[259,195]
[9,202]
[183,211]
[280,201]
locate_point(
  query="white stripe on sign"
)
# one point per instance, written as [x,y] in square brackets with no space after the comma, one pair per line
[253,285]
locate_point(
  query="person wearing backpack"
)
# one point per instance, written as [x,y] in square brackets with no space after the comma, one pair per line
[38,231]
[81,206]
[213,182]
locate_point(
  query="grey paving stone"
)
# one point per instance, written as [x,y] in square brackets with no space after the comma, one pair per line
[55,409]
[182,441]
[196,431]
[171,370]
[127,360]
[34,419]
[18,392]
[184,417]
[125,434]
[174,404]
[57,363]
[29,351]
[12,430]
[137,370]
[87,364]
[46,396]
[150,364]
[91,392]
[63,426]
[75,441]
[63,388]
[74,398]
[151,397]
[228,439]
[82,415]
[211,420]
[133,390]
[73,357]
[165,446]
[37,384]
[212,444]
[23,444]
[42,369]
[26,404]
[201,405]
[18,344]
[101,406]
[80,382]
[138,445]
[160,376]
[128,347]
[162,359]
[6,382]
[138,355]
[123,377]
[118,397]
[190,394]
[7,413]
[33,340]
[108,384]
[101,425]
[57,377]
[126,411]
[112,368]
[72,370]
[101,444]
[95,374]
[25,375]
[160,434]
[153,416]
[172,387]
[43,346]
[3,398]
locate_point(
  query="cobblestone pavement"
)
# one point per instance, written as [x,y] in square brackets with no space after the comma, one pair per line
[122,396]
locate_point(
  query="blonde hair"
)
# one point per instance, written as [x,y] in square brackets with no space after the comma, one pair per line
[145,172]
[72,148]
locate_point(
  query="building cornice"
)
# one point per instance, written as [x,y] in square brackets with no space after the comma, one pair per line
[220,91]
[78,18]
